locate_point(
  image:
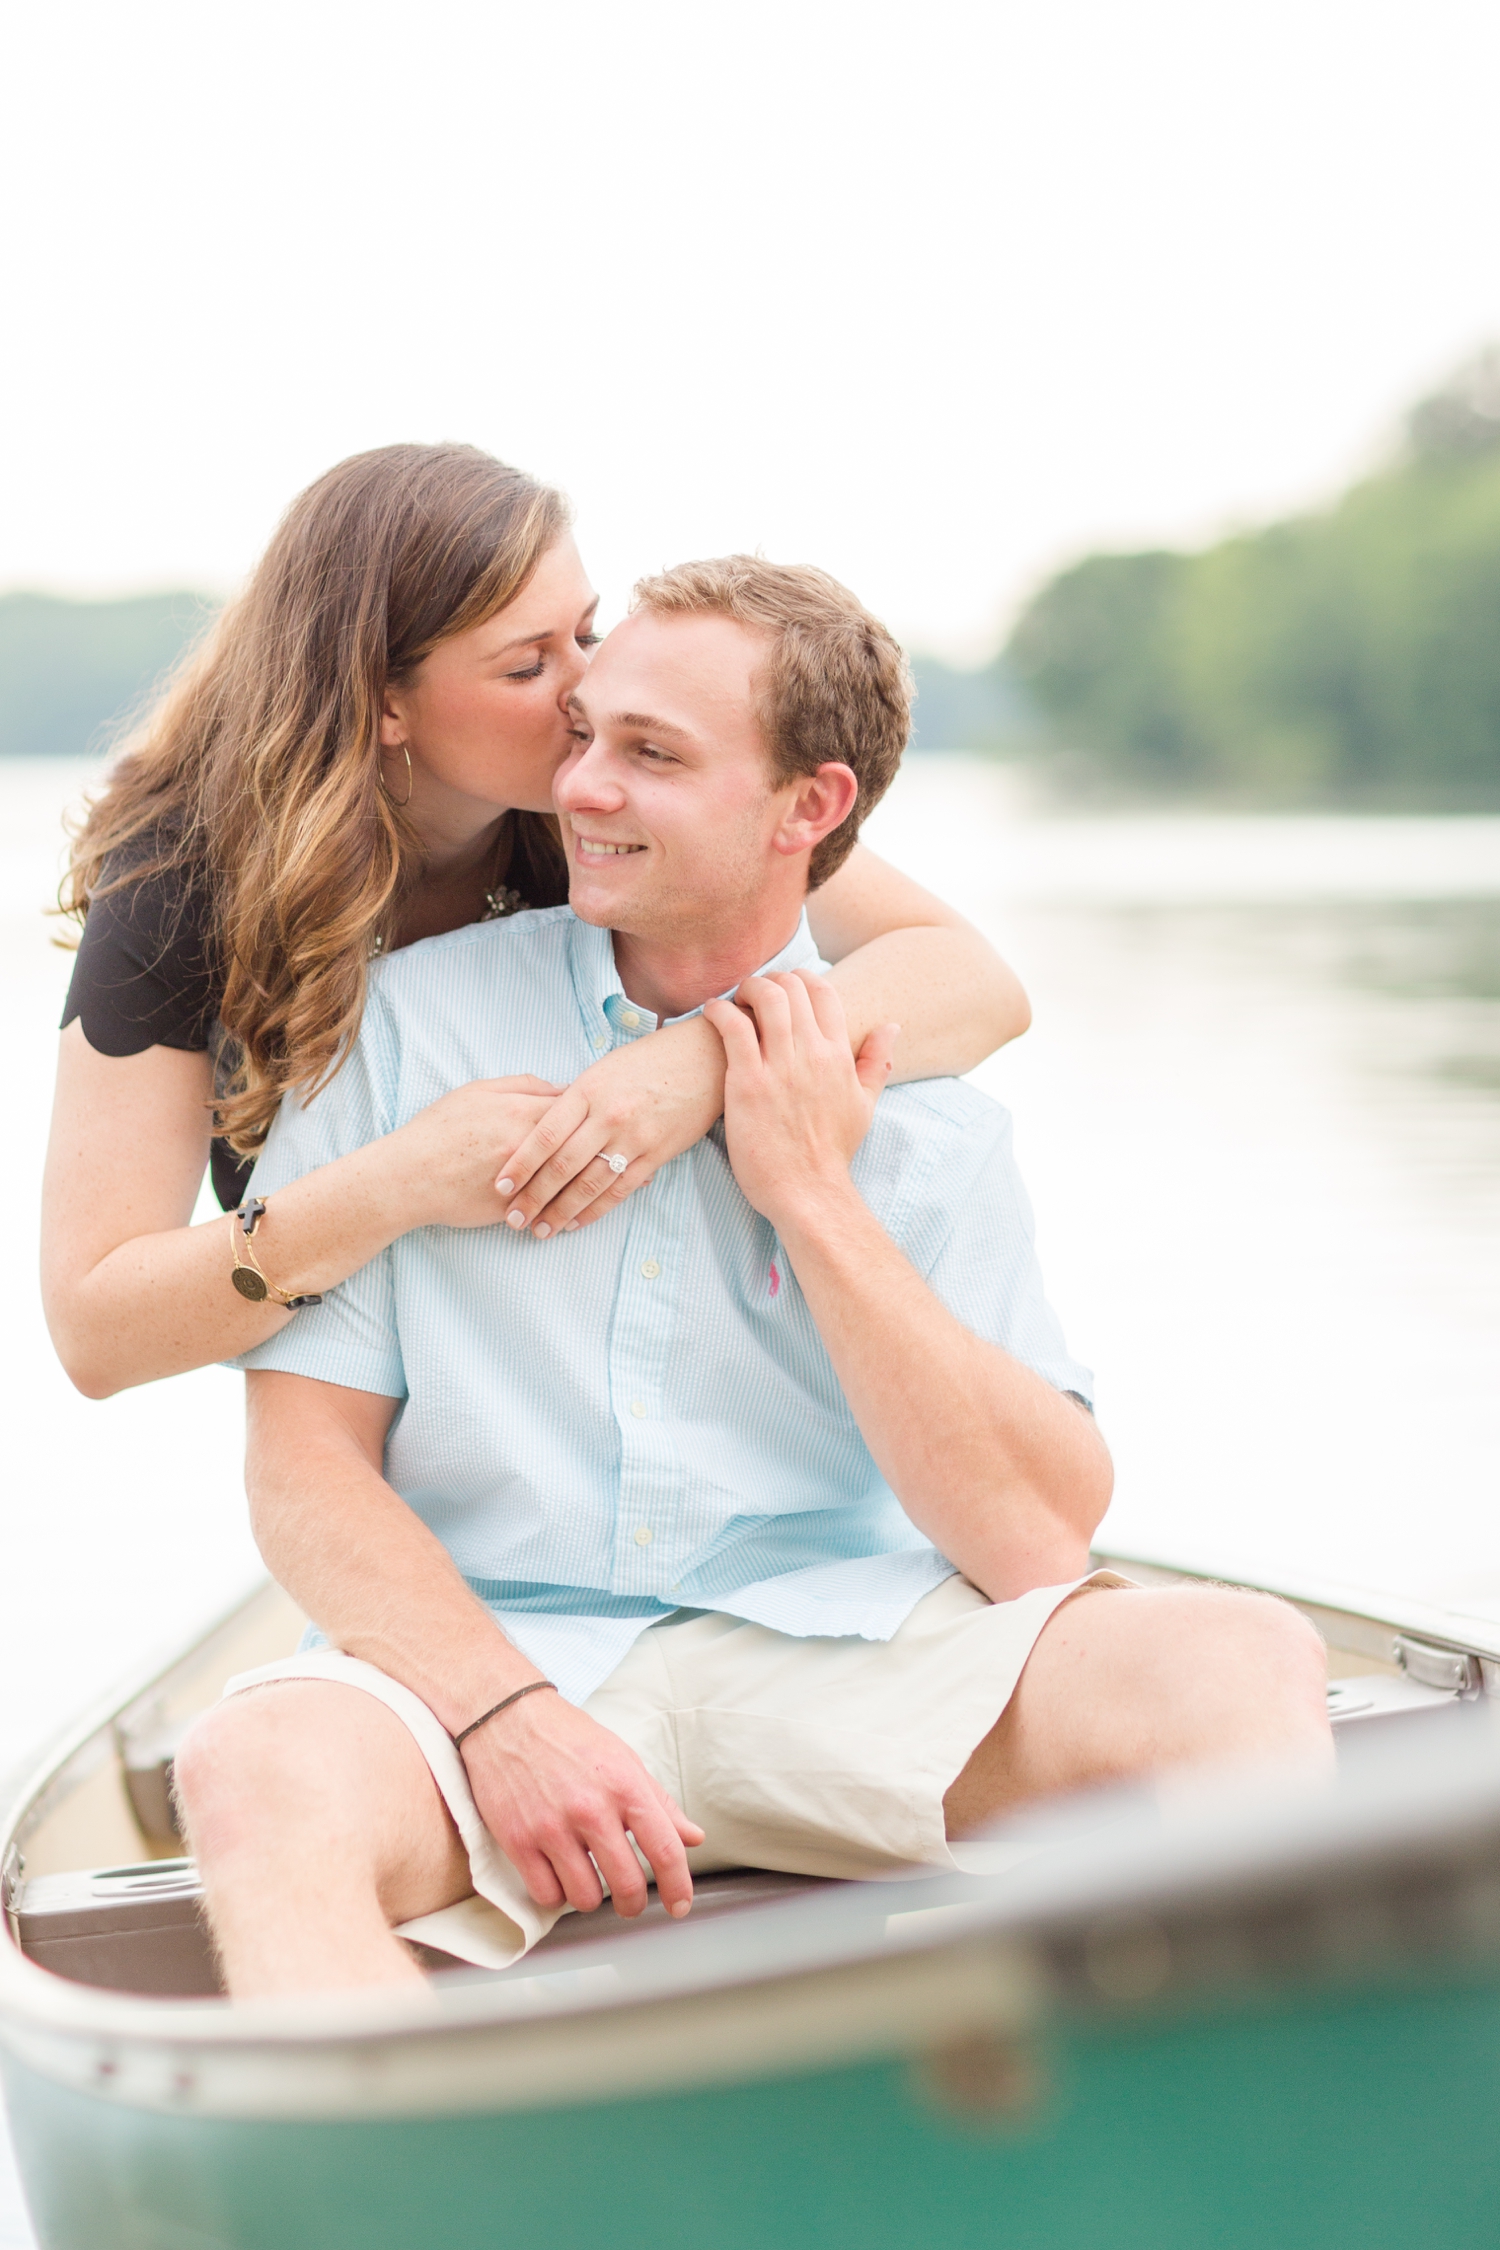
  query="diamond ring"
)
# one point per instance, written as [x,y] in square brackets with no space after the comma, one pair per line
[617,1164]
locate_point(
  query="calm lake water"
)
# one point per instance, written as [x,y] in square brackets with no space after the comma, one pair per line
[1259,1112]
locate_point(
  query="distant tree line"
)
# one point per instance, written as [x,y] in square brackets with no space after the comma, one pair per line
[1351,655]
[72,671]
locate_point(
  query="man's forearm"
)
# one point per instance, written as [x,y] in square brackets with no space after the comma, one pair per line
[1004,1474]
[356,1558]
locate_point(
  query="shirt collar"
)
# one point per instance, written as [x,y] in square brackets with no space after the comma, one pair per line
[614,1020]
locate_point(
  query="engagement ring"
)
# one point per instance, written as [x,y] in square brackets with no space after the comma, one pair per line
[616,1164]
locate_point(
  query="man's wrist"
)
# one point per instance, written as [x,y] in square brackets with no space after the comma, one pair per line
[482,1685]
[818,1212]
[516,1695]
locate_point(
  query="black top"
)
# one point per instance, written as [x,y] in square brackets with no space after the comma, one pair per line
[145,974]
[145,977]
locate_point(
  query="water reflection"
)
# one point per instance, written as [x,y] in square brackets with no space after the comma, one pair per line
[1258,1111]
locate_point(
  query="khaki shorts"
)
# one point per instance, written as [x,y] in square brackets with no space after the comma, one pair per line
[817,1757]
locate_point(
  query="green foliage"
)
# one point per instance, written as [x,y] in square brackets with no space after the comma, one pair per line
[1350,656]
[958,710]
[70,671]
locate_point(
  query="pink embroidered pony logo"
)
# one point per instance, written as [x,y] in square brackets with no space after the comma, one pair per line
[775,1281]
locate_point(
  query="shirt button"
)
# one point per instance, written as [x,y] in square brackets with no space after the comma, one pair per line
[650,1269]
[638,1409]
[643,1535]
[600,1042]
[631,1020]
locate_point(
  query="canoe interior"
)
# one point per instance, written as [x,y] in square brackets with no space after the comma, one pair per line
[106,1799]
[96,1888]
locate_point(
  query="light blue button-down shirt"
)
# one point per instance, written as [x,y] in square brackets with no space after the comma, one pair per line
[607,1426]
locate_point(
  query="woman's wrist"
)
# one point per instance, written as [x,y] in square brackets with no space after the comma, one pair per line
[393,1187]
[320,1229]
[700,1043]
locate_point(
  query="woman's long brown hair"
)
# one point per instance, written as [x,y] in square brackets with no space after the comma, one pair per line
[257,775]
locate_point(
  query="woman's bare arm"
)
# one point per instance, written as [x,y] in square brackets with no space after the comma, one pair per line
[900,956]
[133,1291]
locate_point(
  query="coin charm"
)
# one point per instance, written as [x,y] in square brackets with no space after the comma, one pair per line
[249,1284]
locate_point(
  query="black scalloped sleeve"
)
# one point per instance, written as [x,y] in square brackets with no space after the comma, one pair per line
[144,976]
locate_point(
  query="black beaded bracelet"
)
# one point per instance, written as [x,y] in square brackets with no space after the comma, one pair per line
[503,1705]
[248,1279]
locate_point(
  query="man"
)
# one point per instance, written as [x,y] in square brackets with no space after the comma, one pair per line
[784,1476]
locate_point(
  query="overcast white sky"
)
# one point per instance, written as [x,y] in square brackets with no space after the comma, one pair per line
[936,295]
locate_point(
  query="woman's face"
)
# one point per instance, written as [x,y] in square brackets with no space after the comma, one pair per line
[484,715]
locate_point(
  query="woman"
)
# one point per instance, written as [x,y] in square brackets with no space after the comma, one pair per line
[360,755]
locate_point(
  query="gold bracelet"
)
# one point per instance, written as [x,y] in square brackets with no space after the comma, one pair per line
[249,1279]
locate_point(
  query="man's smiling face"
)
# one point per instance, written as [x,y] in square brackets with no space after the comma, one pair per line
[667,800]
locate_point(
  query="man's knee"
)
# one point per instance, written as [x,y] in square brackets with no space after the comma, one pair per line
[241,1770]
[1263,1638]
[293,1761]
[298,1773]
[1253,1667]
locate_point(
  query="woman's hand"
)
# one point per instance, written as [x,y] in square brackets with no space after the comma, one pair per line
[647,1102]
[447,1158]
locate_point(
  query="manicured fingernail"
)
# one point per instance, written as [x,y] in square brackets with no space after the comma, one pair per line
[571,1227]
[515,1218]
[505,1187]
[541,1232]
[683,1906]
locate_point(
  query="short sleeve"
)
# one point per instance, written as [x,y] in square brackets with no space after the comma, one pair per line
[351,1338]
[144,974]
[982,1264]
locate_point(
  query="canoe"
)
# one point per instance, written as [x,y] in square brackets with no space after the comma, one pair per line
[1233,2014]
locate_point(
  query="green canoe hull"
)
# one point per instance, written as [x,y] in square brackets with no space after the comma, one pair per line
[1370,2119]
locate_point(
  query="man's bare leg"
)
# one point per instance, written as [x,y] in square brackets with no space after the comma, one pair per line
[316,1825]
[1131,1683]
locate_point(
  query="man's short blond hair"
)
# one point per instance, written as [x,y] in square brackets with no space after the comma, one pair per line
[835,687]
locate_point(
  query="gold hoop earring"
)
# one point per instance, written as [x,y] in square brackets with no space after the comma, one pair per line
[398,802]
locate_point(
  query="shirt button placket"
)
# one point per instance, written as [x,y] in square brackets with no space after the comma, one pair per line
[645,1322]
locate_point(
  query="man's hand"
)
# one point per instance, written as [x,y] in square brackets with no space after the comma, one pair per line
[558,1792]
[797,1104]
[551,1784]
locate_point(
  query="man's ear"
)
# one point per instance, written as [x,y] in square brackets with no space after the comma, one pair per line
[815,806]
